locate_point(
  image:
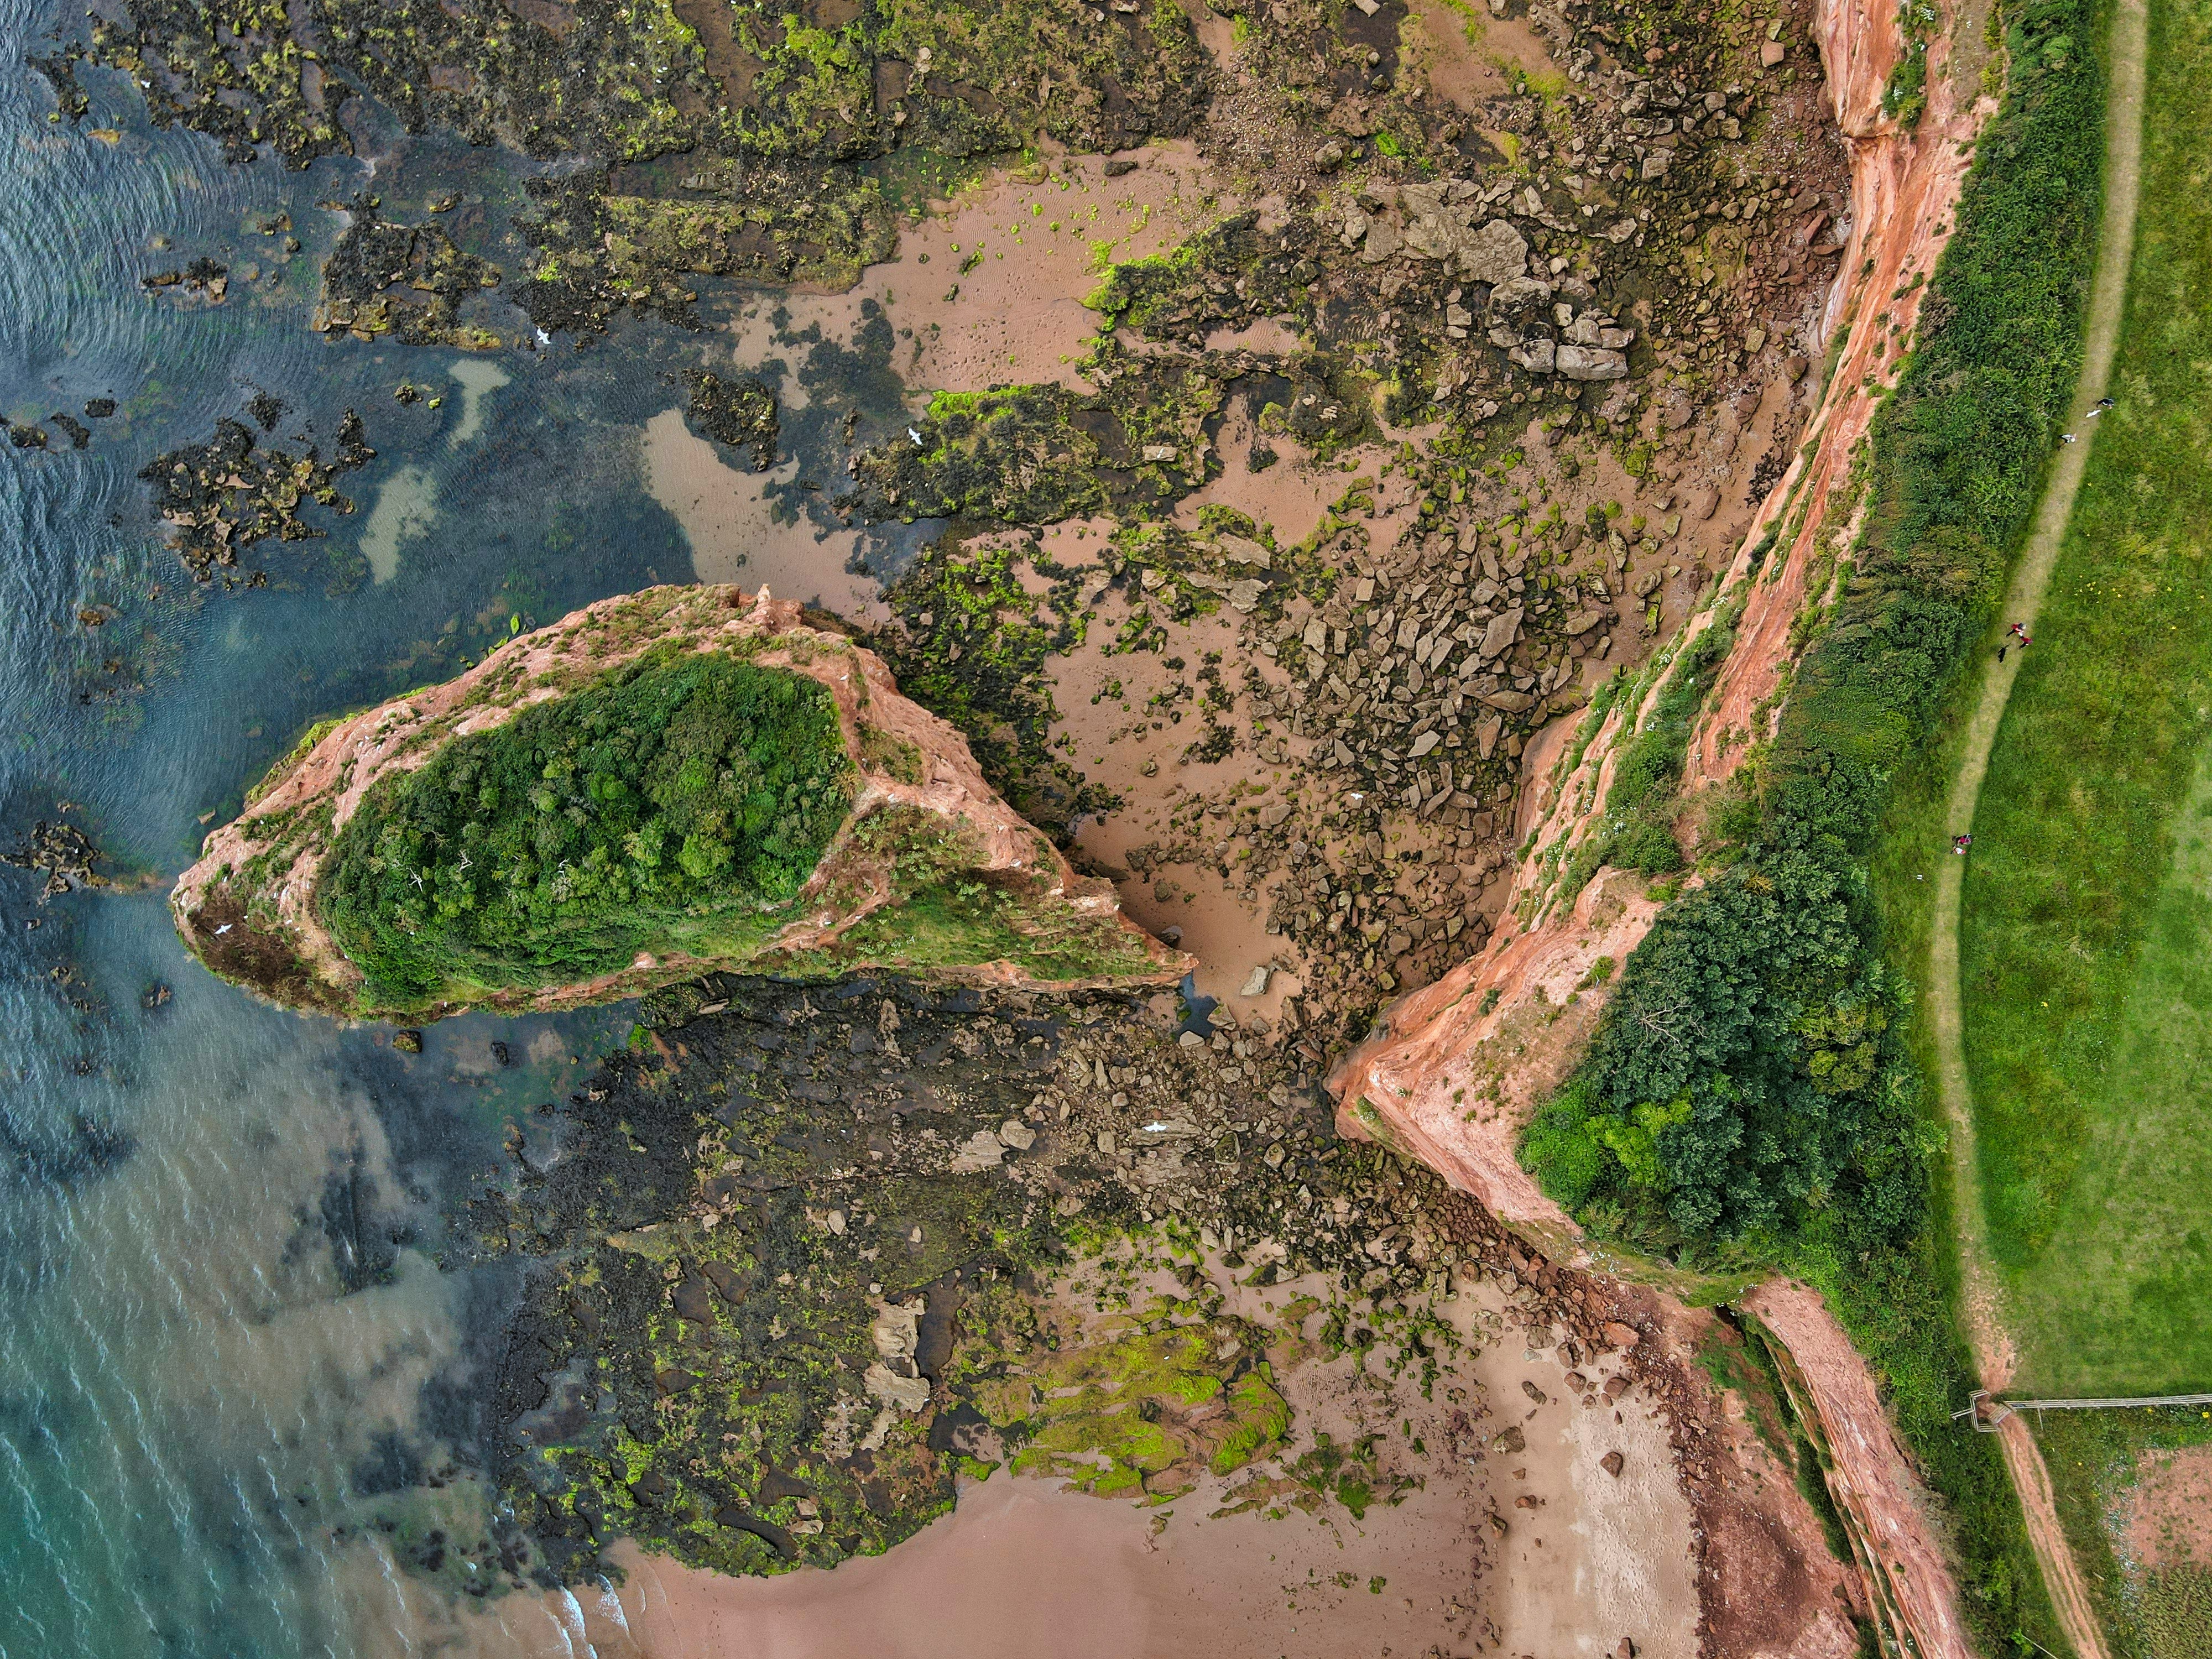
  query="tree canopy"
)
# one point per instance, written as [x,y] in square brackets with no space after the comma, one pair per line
[680,798]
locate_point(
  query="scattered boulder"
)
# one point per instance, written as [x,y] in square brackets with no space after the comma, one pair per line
[980,1150]
[1537,355]
[1577,362]
[906,1394]
[1502,630]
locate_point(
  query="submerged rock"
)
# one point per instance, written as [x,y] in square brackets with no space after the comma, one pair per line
[738,412]
[351,885]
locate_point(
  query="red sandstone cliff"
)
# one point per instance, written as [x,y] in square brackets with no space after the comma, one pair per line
[1454,1071]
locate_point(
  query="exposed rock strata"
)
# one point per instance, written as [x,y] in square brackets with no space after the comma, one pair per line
[1494,1019]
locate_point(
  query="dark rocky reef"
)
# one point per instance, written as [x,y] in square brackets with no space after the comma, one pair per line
[780,1255]
[221,497]
[738,412]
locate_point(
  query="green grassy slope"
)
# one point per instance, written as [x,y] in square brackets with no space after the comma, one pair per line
[2088,904]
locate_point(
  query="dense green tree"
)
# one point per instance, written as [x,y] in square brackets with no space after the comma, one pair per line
[683,796]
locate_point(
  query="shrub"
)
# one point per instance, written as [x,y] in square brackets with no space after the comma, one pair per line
[681,799]
[1740,1068]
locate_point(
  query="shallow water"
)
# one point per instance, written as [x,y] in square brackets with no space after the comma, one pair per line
[227,1347]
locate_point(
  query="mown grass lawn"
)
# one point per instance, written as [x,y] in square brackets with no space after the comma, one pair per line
[2086,937]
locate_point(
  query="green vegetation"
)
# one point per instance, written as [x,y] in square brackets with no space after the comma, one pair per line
[1641,804]
[2087,995]
[1735,1092]
[949,913]
[1751,1096]
[674,804]
[648,822]
[1142,1410]
[2159,1607]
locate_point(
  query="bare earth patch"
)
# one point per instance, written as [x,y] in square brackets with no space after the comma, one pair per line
[2170,1524]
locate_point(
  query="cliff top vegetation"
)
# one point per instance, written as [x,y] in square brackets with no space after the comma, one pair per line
[684,799]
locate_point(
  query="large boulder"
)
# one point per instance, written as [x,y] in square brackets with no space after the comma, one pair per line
[1440,225]
[1577,363]
[661,785]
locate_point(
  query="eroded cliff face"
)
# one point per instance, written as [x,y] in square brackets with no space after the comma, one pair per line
[247,908]
[1454,1071]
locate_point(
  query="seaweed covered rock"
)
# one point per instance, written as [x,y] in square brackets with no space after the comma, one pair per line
[737,412]
[221,497]
[407,280]
[685,779]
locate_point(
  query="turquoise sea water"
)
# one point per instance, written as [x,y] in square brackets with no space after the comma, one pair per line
[234,1383]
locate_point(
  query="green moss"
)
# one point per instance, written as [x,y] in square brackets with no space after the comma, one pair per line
[891,754]
[1261,1417]
[945,912]
[971,649]
[737,141]
[1145,1410]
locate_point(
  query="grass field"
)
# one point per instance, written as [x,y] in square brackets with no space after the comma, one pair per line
[2149,1608]
[2086,942]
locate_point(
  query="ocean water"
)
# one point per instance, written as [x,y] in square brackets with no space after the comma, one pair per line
[235,1380]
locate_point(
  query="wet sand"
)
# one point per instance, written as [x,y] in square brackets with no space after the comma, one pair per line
[734,533]
[1287,498]
[1018,315]
[406,507]
[1026,1571]
[478,380]
[1466,57]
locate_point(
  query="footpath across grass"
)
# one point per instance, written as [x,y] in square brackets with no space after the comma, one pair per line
[2087,935]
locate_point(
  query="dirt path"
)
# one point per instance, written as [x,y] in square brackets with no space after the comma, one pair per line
[1993,1349]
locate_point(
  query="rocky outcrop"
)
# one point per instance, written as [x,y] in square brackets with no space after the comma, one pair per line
[1461,1070]
[1905,197]
[247,908]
